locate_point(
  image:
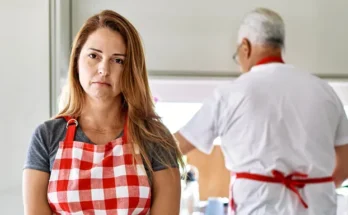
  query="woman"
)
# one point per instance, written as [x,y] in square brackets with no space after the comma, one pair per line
[106,152]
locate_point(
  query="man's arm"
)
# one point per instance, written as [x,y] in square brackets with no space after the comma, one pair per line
[340,173]
[203,128]
[184,145]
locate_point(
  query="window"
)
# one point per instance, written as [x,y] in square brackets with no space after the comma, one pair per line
[176,114]
[346,109]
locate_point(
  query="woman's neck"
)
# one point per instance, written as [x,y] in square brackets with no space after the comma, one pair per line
[101,115]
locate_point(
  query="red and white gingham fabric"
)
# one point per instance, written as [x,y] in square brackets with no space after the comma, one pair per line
[98,179]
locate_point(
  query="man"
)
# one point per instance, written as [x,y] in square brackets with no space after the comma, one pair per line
[284,132]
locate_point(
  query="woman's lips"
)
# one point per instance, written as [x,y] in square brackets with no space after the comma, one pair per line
[102,83]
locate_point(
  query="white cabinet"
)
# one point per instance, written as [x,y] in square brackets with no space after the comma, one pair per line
[198,37]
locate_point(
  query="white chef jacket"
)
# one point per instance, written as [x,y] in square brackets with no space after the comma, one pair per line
[274,117]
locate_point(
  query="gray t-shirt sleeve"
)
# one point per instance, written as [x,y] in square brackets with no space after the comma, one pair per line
[38,152]
[157,164]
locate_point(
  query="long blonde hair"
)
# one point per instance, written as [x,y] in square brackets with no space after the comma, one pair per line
[145,128]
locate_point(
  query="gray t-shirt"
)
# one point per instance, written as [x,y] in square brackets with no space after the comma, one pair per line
[45,141]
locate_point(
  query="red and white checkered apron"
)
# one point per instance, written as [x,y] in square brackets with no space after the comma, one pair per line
[98,179]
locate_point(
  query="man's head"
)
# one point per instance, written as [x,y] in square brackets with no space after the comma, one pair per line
[261,34]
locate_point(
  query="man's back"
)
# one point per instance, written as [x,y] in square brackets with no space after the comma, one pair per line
[279,118]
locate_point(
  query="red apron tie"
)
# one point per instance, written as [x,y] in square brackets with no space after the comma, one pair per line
[287,181]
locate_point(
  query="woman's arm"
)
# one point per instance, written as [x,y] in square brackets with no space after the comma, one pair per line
[166,192]
[35,192]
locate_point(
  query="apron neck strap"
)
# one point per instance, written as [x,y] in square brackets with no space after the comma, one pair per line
[270,59]
[71,126]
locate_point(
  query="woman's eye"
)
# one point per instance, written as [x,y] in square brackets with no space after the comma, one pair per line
[119,61]
[93,56]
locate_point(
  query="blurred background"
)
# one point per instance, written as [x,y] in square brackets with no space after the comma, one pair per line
[189,47]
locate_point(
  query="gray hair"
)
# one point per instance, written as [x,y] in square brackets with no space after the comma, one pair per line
[264,27]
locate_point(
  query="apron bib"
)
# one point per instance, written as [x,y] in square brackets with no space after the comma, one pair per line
[98,179]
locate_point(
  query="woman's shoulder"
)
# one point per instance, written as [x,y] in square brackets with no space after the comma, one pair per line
[56,123]
[51,128]
[43,142]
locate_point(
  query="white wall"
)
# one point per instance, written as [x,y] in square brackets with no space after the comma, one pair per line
[341,89]
[24,89]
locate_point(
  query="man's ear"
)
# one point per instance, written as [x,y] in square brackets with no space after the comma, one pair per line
[246,47]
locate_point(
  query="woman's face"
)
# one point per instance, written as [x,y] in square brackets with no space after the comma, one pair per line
[100,64]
